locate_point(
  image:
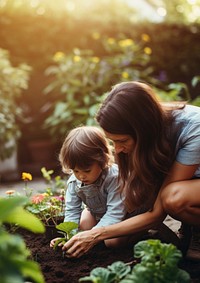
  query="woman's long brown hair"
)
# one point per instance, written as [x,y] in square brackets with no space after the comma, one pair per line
[132,109]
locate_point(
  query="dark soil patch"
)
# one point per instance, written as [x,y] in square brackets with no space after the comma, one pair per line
[59,269]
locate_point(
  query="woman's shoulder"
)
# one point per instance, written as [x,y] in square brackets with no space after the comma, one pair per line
[188,113]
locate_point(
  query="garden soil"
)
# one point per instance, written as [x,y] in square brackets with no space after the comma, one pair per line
[59,269]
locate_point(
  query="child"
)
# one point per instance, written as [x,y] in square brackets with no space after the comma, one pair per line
[94,181]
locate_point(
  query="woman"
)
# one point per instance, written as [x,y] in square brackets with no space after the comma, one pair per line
[157,148]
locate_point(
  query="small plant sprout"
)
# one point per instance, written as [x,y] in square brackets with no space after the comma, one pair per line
[68,229]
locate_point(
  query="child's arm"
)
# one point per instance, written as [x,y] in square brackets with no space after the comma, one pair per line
[73,204]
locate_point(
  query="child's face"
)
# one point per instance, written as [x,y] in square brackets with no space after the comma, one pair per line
[88,175]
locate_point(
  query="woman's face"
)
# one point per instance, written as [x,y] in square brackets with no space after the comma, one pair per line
[122,143]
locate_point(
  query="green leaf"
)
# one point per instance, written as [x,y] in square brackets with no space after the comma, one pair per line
[119,268]
[31,269]
[195,81]
[103,275]
[67,226]
[90,279]
[7,205]
[60,240]
[25,220]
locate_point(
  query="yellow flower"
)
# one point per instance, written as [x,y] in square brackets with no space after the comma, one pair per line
[126,42]
[26,176]
[77,58]
[10,192]
[58,56]
[111,40]
[95,59]
[125,75]
[96,35]
[145,37]
[147,50]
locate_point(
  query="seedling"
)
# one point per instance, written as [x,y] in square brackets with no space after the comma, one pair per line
[68,229]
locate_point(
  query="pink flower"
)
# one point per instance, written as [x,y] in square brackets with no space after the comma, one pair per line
[37,198]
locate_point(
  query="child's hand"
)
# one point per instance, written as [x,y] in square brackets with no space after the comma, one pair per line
[53,241]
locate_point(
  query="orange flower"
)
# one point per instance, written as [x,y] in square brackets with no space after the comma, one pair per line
[10,192]
[26,176]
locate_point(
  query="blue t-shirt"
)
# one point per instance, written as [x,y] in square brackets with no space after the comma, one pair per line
[188,136]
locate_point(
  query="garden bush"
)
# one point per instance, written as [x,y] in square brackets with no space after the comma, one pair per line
[33,38]
[13,81]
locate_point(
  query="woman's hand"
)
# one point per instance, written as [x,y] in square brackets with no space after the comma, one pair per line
[81,243]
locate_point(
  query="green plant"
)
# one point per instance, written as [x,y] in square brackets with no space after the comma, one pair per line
[49,205]
[80,80]
[54,184]
[113,273]
[158,264]
[15,263]
[13,80]
[68,229]
[179,92]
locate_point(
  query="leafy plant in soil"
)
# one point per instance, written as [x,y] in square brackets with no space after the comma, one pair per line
[68,229]
[158,264]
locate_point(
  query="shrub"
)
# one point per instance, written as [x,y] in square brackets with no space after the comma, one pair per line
[80,79]
[13,80]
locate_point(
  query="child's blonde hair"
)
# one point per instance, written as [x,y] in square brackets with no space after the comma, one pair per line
[82,147]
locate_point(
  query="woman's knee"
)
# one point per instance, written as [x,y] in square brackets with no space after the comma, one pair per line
[173,199]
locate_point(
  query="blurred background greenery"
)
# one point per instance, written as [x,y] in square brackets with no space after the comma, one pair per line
[59,58]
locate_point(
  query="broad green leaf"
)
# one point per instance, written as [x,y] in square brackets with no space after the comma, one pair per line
[67,226]
[103,274]
[25,220]
[7,205]
[32,270]
[120,269]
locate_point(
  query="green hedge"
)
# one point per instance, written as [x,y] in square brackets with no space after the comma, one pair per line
[34,39]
